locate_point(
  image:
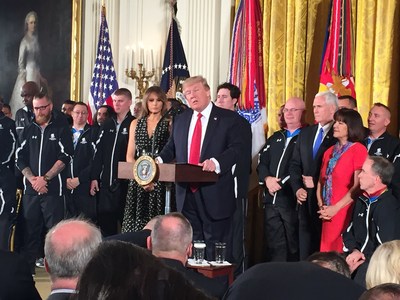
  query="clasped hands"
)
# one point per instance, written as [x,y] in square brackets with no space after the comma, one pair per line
[327,212]
[39,184]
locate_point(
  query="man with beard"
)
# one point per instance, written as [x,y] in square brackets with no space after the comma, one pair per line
[45,149]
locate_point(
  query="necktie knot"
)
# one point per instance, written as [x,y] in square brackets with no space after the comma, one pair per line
[199,115]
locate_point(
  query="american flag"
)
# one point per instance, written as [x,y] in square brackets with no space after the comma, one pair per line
[175,67]
[104,80]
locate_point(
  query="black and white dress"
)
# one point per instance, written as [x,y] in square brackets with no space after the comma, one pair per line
[141,206]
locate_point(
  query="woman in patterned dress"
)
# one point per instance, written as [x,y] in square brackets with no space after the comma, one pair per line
[144,203]
[338,185]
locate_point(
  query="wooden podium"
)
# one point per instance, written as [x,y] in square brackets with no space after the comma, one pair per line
[179,172]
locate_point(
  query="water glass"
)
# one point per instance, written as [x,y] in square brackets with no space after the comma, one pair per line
[199,251]
[220,249]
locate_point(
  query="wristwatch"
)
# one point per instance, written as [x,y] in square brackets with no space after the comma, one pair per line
[46,178]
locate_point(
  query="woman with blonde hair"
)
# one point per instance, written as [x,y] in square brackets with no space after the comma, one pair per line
[148,135]
[384,266]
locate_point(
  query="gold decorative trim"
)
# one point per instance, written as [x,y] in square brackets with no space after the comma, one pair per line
[76,41]
[144,170]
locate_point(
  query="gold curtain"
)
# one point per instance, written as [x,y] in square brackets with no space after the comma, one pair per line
[294,32]
[377,61]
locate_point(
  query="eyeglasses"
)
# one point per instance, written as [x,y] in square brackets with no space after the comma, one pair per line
[80,112]
[41,107]
[292,110]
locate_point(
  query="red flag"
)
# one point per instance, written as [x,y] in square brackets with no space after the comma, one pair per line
[336,70]
[246,66]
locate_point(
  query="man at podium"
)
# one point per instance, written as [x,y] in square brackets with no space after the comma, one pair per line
[206,135]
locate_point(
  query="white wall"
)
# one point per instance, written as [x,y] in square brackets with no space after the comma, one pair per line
[205,32]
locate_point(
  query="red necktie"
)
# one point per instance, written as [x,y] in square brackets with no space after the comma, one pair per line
[194,155]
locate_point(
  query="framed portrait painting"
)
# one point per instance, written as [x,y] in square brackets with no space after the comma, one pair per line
[40,41]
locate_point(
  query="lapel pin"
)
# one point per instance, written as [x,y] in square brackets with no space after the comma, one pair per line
[215,118]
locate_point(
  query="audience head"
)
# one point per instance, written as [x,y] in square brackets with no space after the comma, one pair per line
[171,237]
[103,113]
[42,107]
[293,112]
[376,174]
[347,102]
[67,107]
[154,101]
[197,92]
[353,122]
[137,109]
[281,117]
[79,114]
[325,104]
[228,95]
[332,261]
[120,270]
[122,101]
[378,119]
[384,266]
[386,291]
[28,91]
[69,246]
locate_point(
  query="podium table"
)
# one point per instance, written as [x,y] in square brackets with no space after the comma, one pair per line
[213,271]
[179,172]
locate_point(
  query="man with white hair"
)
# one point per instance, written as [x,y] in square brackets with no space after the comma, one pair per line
[305,168]
[68,247]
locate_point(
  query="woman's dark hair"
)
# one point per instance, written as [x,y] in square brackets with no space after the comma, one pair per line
[353,120]
[120,270]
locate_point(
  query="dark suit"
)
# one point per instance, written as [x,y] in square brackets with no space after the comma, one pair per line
[303,163]
[211,207]
[16,281]
[209,286]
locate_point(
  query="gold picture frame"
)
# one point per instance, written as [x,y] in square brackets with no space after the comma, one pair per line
[76,42]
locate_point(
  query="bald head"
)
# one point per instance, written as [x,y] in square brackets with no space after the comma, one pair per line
[69,246]
[28,91]
[293,112]
[171,237]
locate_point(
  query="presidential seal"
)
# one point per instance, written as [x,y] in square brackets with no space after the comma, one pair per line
[144,170]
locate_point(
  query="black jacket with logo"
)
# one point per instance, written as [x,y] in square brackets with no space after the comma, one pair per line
[274,161]
[373,223]
[40,148]
[111,148]
[81,163]
[8,138]
[388,146]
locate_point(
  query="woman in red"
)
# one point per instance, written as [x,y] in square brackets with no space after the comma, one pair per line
[338,184]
